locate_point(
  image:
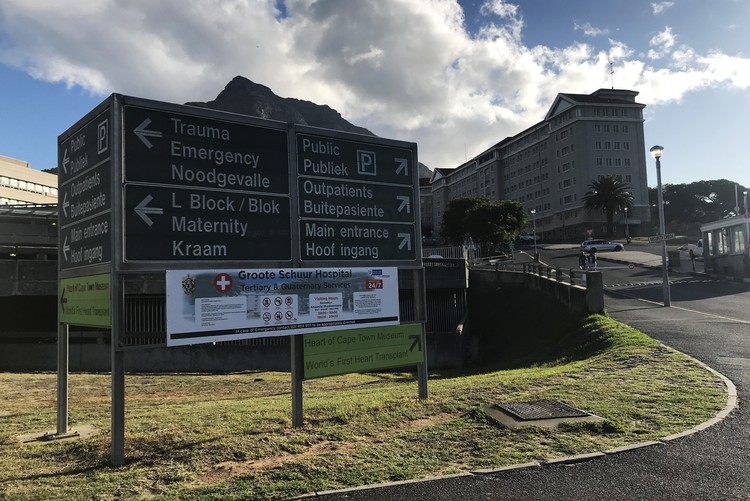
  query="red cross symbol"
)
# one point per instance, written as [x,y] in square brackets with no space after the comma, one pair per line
[223,282]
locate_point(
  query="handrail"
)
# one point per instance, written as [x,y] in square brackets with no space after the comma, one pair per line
[550,272]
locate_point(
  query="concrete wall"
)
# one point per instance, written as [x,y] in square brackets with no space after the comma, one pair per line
[588,298]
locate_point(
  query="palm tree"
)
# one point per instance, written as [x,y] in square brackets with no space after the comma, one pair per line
[608,194]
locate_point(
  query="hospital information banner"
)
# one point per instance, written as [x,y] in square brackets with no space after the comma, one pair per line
[206,306]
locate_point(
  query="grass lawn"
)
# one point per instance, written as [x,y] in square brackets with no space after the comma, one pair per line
[229,436]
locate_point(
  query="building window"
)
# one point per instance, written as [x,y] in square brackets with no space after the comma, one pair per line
[598,145]
[599,161]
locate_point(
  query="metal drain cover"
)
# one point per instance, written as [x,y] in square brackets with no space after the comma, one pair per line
[541,409]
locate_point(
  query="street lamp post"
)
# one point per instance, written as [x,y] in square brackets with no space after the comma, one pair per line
[533,222]
[627,226]
[656,152]
[747,225]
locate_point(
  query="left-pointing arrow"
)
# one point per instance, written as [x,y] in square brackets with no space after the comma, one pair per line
[143,133]
[66,161]
[143,211]
[65,204]
[66,247]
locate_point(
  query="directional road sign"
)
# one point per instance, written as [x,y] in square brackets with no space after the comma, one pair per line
[84,192]
[357,200]
[199,188]
[178,149]
[359,350]
[181,224]
[85,301]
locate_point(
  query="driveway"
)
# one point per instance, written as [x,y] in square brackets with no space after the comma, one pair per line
[710,322]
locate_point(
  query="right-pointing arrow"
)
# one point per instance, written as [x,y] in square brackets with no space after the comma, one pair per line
[402,166]
[405,241]
[143,133]
[142,210]
[405,203]
[416,342]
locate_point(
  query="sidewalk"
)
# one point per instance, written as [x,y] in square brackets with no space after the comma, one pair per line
[640,258]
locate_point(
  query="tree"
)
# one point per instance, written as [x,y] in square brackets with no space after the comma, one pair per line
[687,206]
[608,194]
[487,222]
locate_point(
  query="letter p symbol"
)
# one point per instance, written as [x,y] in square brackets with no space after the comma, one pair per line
[366,163]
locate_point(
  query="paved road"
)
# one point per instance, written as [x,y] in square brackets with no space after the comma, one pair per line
[710,321]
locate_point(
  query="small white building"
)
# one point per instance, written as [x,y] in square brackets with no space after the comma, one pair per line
[22,185]
[726,246]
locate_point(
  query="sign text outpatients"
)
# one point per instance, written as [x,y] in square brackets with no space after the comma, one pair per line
[84,179]
[355,200]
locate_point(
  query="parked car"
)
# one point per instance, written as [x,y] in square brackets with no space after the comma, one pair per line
[601,245]
[528,237]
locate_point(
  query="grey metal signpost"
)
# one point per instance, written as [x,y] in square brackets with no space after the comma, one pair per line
[149,186]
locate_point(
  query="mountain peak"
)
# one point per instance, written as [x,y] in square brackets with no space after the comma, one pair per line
[246,97]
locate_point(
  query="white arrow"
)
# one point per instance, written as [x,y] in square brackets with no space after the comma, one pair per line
[66,248]
[402,166]
[142,132]
[405,203]
[405,241]
[65,204]
[142,210]
[66,161]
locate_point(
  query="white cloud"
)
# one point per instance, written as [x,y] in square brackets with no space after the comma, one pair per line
[660,7]
[661,43]
[404,69]
[589,30]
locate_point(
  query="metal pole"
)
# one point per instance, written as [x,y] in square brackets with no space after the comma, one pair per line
[420,314]
[533,222]
[117,356]
[747,225]
[662,232]
[63,337]
[297,361]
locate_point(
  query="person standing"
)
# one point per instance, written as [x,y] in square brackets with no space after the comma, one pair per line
[592,259]
[582,260]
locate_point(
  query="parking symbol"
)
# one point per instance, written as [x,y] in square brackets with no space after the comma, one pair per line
[102,140]
[366,163]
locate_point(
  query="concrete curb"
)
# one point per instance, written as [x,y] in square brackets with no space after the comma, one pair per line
[731,404]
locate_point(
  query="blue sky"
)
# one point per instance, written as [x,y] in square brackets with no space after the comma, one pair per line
[456,77]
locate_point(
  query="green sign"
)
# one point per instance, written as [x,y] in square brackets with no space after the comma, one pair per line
[361,350]
[85,301]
